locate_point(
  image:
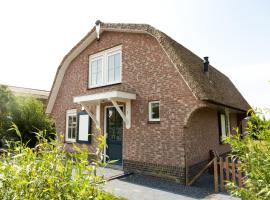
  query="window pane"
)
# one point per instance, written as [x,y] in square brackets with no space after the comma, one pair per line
[114,68]
[74,118]
[96,72]
[72,127]
[93,73]
[69,133]
[117,67]
[94,67]
[111,68]
[117,74]
[74,133]
[223,125]
[69,120]
[93,79]
[111,62]
[111,75]
[117,60]
[155,110]
[99,73]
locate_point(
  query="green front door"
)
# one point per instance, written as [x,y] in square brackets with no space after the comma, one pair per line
[114,129]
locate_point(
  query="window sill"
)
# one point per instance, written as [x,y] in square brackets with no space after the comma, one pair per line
[153,122]
[101,86]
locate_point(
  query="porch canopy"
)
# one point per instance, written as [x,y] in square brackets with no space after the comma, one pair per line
[113,97]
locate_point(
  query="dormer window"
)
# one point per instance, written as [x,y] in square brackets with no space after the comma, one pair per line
[105,68]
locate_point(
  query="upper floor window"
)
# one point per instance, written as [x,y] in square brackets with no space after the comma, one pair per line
[105,68]
[154,111]
[71,125]
[96,71]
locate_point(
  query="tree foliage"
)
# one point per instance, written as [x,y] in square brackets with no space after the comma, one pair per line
[48,171]
[6,102]
[253,150]
[27,113]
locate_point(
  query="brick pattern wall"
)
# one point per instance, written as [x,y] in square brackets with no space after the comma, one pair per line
[148,72]
[174,173]
[203,135]
[157,148]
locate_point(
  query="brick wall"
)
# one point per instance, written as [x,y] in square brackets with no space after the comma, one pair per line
[157,148]
[203,135]
[148,72]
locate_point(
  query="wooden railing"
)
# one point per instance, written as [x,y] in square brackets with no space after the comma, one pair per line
[189,183]
[225,170]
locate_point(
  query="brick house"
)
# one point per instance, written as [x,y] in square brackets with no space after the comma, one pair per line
[162,107]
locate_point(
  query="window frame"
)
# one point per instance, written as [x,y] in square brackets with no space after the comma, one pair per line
[72,112]
[104,55]
[150,119]
[98,57]
[227,125]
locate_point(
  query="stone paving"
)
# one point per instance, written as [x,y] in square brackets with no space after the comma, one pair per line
[141,187]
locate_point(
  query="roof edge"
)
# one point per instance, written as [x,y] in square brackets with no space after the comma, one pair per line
[90,37]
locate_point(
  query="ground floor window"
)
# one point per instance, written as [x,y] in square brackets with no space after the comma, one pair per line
[154,111]
[224,125]
[71,125]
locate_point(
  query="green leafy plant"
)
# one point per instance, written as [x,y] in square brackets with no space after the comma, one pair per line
[28,114]
[6,101]
[253,150]
[48,171]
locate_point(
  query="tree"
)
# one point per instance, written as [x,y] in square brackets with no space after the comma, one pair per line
[6,102]
[28,114]
[253,150]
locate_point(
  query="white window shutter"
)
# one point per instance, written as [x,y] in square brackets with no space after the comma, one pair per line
[84,128]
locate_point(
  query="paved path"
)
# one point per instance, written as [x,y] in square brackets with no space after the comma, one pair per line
[109,172]
[138,187]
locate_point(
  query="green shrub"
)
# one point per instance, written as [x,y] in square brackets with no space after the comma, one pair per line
[254,152]
[49,172]
[6,102]
[28,114]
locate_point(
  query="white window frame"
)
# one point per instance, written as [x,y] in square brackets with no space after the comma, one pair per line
[104,55]
[226,124]
[150,111]
[98,57]
[72,112]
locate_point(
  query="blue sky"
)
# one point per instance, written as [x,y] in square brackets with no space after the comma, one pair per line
[235,34]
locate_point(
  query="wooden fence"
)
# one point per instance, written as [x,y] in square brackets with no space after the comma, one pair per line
[226,169]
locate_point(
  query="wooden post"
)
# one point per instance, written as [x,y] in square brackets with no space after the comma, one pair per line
[227,169]
[221,174]
[216,175]
[200,173]
[239,175]
[233,171]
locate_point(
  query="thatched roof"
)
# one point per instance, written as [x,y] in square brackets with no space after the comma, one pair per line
[216,88]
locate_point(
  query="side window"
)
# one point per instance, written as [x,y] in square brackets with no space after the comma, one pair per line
[224,125]
[71,126]
[154,111]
